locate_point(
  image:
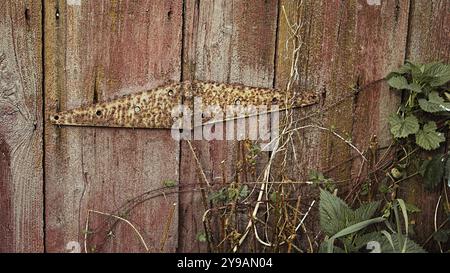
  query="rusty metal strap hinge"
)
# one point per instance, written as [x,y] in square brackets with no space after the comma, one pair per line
[156,108]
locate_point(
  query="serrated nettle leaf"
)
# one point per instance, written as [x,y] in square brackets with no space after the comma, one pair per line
[417,71]
[333,213]
[362,241]
[414,87]
[404,69]
[428,138]
[352,230]
[435,103]
[402,127]
[433,69]
[439,72]
[397,245]
[434,172]
[358,226]
[366,211]
[401,71]
[398,82]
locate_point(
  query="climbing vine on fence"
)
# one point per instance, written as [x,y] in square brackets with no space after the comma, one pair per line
[422,120]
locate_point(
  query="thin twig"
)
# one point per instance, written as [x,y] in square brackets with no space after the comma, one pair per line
[167,227]
[127,222]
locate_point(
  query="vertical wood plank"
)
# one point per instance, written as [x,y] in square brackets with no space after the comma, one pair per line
[96,50]
[428,41]
[225,41]
[21,178]
[343,44]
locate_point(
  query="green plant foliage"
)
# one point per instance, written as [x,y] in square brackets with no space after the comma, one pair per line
[201,237]
[439,73]
[319,179]
[275,197]
[229,194]
[433,172]
[244,192]
[427,102]
[399,243]
[169,183]
[434,103]
[428,138]
[366,211]
[398,82]
[352,227]
[334,213]
[402,127]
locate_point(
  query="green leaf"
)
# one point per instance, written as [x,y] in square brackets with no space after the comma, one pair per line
[439,73]
[416,71]
[232,194]
[428,138]
[402,205]
[434,173]
[435,103]
[169,183]
[402,70]
[402,127]
[358,226]
[324,245]
[414,87]
[389,243]
[366,211]
[275,197]
[361,241]
[398,82]
[244,192]
[400,244]
[353,229]
[334,213]
[217,196]
[201,237]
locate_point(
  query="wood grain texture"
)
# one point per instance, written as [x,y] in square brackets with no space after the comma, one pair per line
[297,31]
[429,41]
[21,178]
[382,36]
[363,42]
[343,44]
[225,41]
[94,51]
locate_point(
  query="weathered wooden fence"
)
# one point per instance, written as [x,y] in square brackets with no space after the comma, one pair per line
[56,55]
